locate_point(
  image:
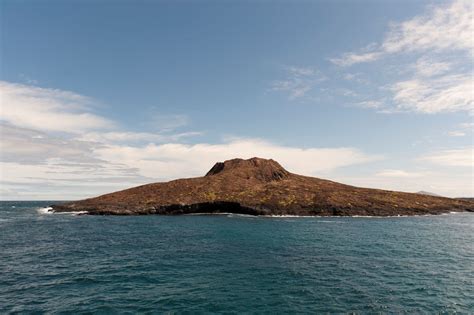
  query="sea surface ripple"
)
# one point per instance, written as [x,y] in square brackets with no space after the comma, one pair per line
[232,264]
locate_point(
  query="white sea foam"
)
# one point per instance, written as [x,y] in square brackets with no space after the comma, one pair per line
[376,216]
[355,216]
[77,212]
[228,214]
[291,216]
[49,210]
[208,213]
[46,210]
[72,212]
[240,215]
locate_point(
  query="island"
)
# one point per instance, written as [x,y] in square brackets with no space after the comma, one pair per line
[259,186]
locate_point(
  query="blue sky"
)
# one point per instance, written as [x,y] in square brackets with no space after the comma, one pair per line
[102,95]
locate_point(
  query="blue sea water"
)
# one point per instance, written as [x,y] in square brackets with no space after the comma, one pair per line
[233,264]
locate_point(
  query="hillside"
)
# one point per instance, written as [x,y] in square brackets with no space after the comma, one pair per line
[262,187]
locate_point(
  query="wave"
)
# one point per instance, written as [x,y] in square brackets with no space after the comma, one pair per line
[45,210]
[49,210]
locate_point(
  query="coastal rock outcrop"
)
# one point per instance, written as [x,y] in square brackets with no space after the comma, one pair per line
[262,187]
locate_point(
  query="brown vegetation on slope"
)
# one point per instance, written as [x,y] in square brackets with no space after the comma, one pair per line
[262,187]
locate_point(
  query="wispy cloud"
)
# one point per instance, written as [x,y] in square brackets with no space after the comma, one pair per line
[133,137]
[468,125]
[462,130]
[348,59]
[176,160]
[446,27]
[447,172]
[27,79]
[443,28]
[445,94]
[355,77]
[167,122]
[441,78]
[298,82]
[444,181]
[462,157]
[370,104]
[58,111]
[456,133]
[28,146]
[48,109]
[36,164]
[301,71]
[95,166]
[398,174]
[89,160]
[429,67]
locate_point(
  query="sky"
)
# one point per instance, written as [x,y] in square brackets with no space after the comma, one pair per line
[98,96]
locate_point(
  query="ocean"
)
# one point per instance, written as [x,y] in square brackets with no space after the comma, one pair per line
[232,264]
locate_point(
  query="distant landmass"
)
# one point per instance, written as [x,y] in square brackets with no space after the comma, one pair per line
[262,187]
